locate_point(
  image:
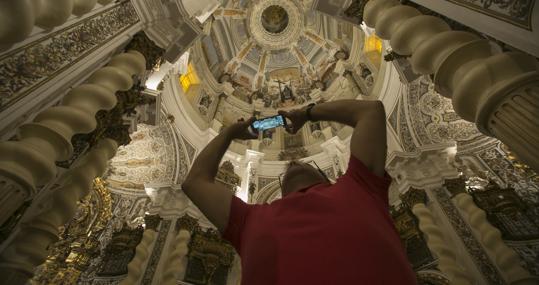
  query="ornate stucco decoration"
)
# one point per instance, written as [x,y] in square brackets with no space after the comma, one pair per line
[227,176]
[279,39]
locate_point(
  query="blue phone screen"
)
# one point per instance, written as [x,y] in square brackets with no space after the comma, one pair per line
[269,123]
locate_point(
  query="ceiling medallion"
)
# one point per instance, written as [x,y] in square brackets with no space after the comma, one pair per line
[276,24]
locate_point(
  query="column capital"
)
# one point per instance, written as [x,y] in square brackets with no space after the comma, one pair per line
[414,196]
[186,222]
[426,168]
[152,221]
[455,186]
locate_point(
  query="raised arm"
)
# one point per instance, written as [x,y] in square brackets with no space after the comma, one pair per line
[212,198]
[368,143]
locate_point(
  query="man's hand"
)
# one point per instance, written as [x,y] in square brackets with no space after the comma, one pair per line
[298,118]
[240,130]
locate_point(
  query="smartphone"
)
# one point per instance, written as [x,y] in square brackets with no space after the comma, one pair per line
[268,123]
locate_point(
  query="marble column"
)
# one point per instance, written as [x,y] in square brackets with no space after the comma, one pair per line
[136,267]
[506,259]
[177,259]
[416,199]
[30,161]
[499,91]
[19,17]
[40,226]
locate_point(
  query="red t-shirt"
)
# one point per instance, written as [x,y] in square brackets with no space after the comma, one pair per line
[326,234]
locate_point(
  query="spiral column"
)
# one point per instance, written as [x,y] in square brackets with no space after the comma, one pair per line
[29,162]
[18,17]
[447,262]
[506,259]
[39,229]
[135,268]
[177,259]
[498,91]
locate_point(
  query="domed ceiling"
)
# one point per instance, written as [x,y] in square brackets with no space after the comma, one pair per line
[275,51]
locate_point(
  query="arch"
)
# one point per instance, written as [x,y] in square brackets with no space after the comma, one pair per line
[268,193]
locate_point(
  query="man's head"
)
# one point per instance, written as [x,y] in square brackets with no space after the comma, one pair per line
[300,175]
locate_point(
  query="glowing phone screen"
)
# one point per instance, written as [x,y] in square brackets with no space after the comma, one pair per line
[269,123]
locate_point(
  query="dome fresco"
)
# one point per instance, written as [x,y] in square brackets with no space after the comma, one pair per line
[274,52]
[274,19]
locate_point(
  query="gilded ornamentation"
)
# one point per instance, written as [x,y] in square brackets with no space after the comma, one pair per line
[507,212]
[25,69]
[524,183]
[78,243]
[524,169]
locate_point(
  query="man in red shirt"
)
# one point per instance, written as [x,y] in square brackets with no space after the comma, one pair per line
[318,233]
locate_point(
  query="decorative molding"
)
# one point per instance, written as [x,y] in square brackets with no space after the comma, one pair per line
[156,253]
[474,248]
[25,69]
[518,14]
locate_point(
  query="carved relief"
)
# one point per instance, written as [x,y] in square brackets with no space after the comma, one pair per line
[149,158]
[25,69]
[210,259]
[79,239]
[433,118]
[414,242]
[120,251]
[518,13]
[227,177]
[414,196]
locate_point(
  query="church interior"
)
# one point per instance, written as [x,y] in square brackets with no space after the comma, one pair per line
[104,105]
